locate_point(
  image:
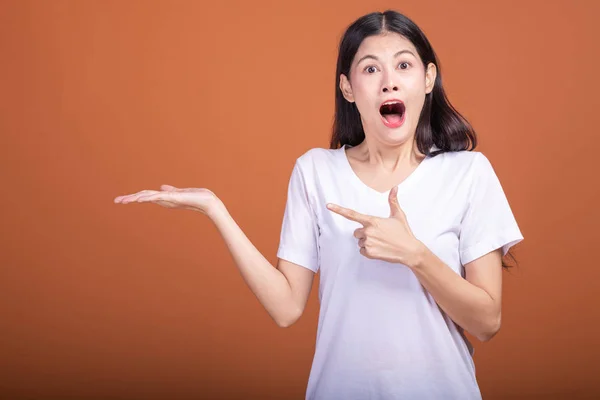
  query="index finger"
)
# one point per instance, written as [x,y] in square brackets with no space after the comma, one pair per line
[350,214]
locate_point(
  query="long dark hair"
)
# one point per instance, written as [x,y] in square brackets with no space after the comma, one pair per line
[440,124]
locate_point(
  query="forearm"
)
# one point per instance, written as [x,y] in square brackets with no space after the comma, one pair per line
[267,283]
[469,306]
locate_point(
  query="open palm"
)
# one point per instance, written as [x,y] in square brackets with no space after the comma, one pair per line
[197,199]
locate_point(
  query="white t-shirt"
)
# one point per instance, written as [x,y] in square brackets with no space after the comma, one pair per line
[380,334]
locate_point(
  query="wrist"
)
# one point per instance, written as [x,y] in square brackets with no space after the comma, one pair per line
[419,255]
[217,210]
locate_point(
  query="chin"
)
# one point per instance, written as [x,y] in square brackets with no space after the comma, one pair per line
[389,136]
[395,136]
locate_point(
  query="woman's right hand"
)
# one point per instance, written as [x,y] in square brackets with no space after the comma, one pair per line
[196,199]
[283,289]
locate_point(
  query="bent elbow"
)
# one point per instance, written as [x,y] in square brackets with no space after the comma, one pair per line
[491,331]
[285,323]
[289,319]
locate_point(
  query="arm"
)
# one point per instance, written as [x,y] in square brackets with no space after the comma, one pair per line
[283,291]
[488,223]
[473,303]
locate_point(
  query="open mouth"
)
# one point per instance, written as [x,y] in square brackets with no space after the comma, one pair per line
[393,113]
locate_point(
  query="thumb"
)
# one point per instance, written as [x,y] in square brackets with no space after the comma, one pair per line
[168,188]
[395,210]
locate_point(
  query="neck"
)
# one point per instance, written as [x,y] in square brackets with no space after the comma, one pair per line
[390,158]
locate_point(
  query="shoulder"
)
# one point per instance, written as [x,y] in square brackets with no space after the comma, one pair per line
[314,165]
[317,154]
[471,162]
[464,168]
[317,158]
[463,157]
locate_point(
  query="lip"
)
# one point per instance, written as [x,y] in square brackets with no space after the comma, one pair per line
[399,123]
[392,101]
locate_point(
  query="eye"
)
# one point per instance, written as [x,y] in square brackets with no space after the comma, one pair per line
[403,63]
[370,69]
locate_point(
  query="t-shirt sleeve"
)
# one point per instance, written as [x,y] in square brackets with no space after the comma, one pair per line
[488,223]
[298,242]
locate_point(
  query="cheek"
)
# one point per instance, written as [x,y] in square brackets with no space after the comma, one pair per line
[415,86]
[364,102]
[416,96]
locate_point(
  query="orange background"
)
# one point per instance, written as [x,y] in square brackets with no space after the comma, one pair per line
[104,98]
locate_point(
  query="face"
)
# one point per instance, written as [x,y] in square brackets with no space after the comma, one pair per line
[387,68]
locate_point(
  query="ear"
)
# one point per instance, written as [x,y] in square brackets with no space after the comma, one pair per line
[430,76]
[346,88]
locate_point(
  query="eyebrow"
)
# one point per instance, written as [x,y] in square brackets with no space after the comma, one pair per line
[375,58]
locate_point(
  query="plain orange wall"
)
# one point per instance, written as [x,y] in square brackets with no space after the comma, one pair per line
[104,98]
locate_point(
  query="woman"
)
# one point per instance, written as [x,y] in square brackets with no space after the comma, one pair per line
[406,223]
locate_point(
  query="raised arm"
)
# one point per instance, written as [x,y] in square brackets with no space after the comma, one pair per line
[282,290]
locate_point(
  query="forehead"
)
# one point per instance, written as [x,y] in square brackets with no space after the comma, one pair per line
[384,45]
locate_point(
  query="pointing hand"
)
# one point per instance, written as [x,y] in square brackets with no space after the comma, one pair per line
[389,239]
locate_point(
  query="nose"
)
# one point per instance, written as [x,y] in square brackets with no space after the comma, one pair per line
[389,86]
